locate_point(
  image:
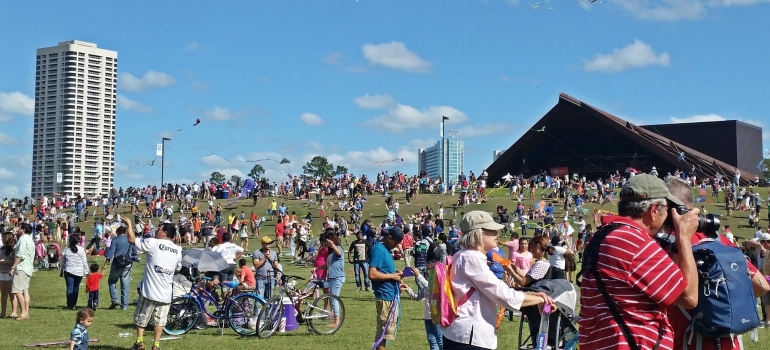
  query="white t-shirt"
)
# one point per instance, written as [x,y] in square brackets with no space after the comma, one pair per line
[163,259]
[557,259]
[228,251]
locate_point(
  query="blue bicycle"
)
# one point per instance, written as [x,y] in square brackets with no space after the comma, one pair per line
[240,310]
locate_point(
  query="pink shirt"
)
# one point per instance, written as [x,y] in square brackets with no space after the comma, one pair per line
[522,260]
[320,262]
[513,246]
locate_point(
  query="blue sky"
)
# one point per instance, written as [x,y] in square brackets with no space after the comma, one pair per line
[362,82]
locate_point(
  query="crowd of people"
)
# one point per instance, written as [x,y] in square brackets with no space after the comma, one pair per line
[651,289]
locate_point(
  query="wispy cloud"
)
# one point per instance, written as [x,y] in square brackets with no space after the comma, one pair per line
[484,130]
[149,80]
[8,140]
[333,58]
[698,118]
[403,117]
[311,119]
[221,114]
[663,10]
[636,55]
[131,105]
[374,101]
[395,55]
[191,47]
[16,103]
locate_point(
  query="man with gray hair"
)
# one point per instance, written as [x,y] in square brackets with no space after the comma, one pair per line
[625,296]
[680,317]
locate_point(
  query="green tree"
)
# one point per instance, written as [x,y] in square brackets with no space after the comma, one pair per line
[218,178]
[340,170]
[236,180]
[256,172]
[318,167]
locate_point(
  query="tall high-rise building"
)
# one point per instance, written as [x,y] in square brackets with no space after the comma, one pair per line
[431,161]
[74,127]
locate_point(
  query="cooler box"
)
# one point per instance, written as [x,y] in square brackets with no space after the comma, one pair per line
[289,314]
[225,194]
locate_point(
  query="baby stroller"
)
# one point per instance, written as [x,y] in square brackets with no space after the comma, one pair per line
[52,254]
[562,331]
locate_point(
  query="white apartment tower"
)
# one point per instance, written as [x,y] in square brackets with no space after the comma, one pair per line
[74,128]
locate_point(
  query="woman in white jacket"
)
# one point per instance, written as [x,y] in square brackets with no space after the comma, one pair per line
[474,327]
[74,268]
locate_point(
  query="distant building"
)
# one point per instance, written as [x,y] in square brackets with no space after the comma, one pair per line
[496,154]
[74,119]
[575,137]
[431,161]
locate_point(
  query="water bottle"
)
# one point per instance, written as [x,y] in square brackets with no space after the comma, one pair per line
[542,333]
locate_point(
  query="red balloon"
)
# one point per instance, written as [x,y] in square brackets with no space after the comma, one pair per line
[197,121]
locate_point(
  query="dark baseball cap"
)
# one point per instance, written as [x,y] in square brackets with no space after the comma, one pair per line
[394,232]
[645,186]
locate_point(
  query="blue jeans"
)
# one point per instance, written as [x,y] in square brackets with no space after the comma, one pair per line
[124,276]
[73,289]
[93,300]
[435,338]
[265,287]
[335,284]
[361,268]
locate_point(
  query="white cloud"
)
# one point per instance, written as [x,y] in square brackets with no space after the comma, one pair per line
[148,80]
[663,10]
[4,118]
[8,140]
[311,119]
[220,114]
[422,143]
[729,3]
[11,191]
[374,101]
[193,46]
[131,105]
[484,130]
[16,103]
[366,161]
[333,58]
[636,55]
[402,117]
[698,118]
[5,174]
[395,55]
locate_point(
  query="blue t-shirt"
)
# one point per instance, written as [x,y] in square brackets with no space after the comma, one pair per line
[80,336]
[382,261]
[336,264]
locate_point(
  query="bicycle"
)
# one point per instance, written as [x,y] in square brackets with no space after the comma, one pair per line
[239,311]
[318,316]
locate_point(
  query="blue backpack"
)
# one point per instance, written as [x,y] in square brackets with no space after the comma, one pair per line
[726,302]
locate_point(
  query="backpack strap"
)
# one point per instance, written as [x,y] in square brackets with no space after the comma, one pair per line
[590,264]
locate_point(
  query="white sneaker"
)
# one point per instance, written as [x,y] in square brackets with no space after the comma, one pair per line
[358,289]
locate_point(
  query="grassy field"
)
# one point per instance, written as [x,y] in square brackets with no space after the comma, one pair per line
[50,321]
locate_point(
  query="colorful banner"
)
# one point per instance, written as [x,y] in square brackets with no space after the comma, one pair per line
[559,171]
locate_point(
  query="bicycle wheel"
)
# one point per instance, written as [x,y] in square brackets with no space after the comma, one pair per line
[242,313]
[183,314]
[269,318]
[321,317]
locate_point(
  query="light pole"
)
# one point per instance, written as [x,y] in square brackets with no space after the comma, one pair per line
[445,159]
[162,161]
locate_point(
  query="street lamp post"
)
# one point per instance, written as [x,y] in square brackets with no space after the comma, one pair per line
[445,159]
[162,160]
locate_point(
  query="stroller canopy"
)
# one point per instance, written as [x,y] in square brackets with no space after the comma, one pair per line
[561,290]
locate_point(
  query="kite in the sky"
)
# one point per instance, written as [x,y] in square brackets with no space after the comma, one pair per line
[390,161]
[540,130]
[197,121]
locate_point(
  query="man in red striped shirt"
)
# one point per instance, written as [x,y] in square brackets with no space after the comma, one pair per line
[640,278]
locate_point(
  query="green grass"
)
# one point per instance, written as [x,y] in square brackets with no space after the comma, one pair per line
[51,322]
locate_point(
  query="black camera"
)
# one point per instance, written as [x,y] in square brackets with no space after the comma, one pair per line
[707,224]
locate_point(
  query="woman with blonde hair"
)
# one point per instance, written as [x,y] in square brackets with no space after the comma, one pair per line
[472,279]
